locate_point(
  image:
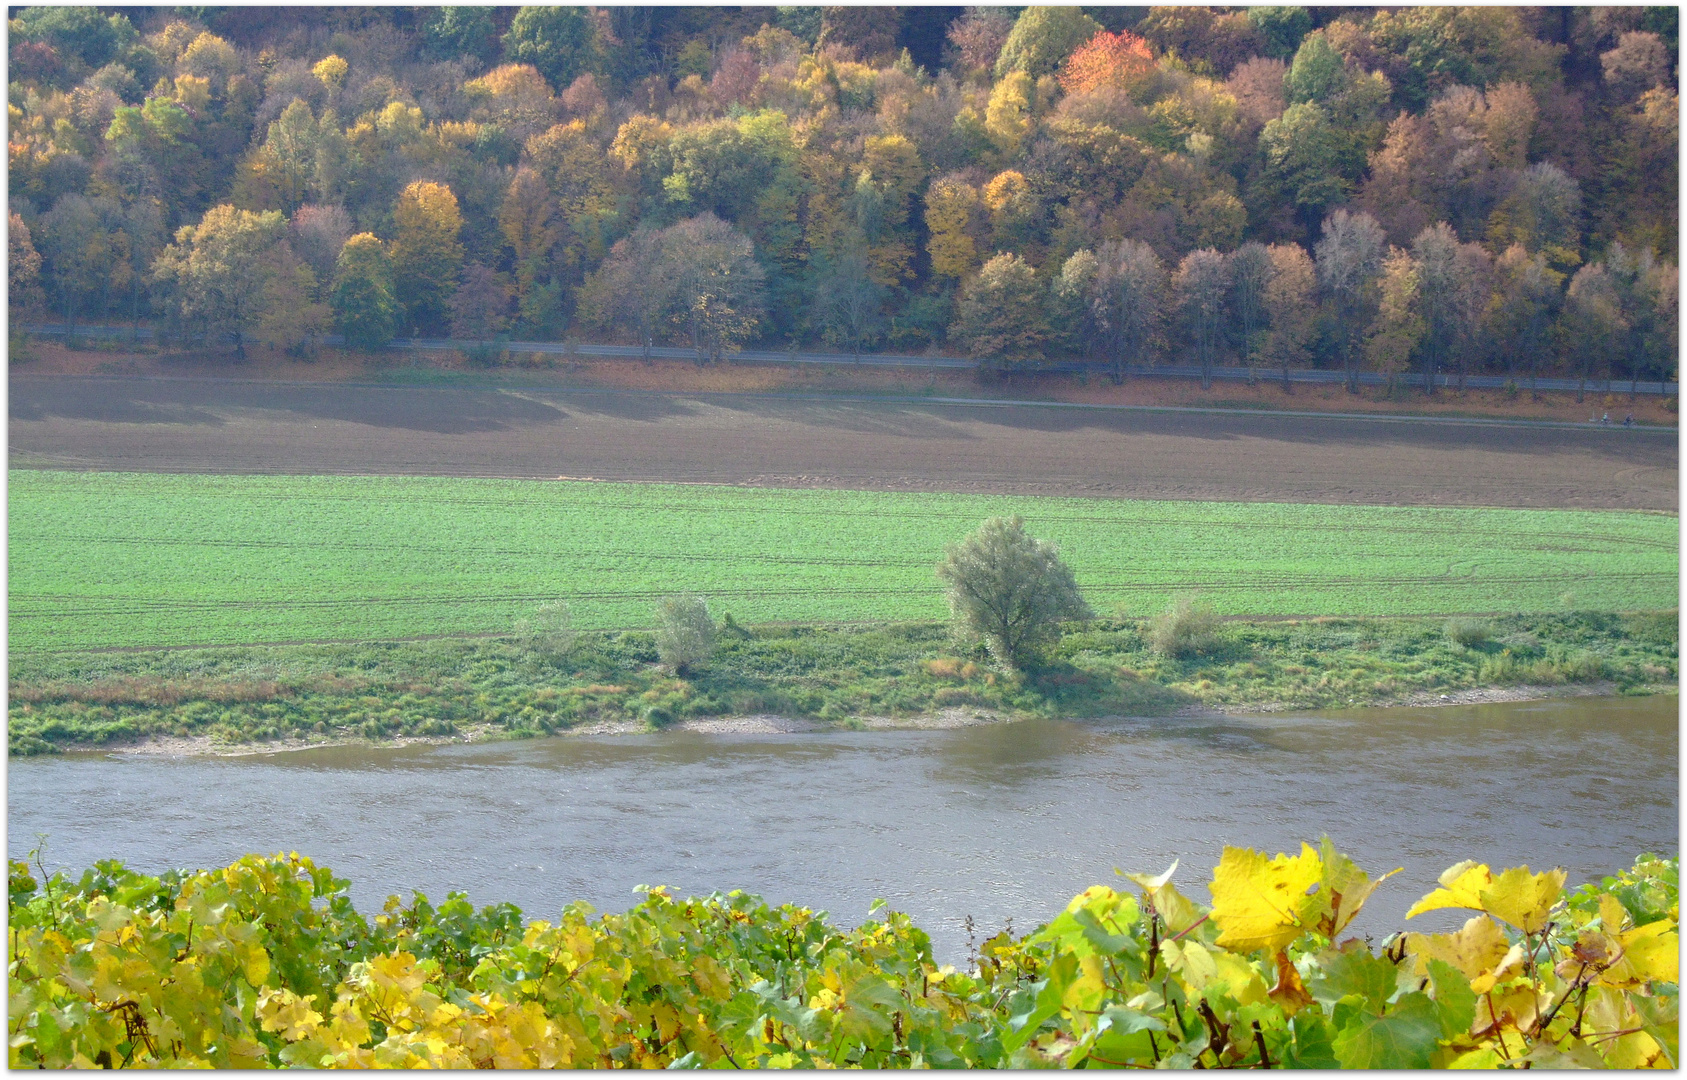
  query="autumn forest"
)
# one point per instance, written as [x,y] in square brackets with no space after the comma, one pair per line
[1401,191]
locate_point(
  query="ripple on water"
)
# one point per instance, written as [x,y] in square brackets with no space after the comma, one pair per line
[999,821]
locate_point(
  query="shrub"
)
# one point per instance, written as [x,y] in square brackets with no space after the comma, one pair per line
[1466,632]
[548,632]
[1190,628]
[1010,590]
[685,634]
[1501,669]
[1522,642]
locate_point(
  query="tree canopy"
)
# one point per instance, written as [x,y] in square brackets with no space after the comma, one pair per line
[962,157]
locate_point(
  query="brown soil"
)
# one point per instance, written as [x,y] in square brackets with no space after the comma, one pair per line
[684,377]
[202,425]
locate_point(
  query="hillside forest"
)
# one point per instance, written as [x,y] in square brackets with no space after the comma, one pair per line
[1404,191]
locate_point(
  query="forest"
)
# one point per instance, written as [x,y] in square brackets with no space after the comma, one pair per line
[1403,191]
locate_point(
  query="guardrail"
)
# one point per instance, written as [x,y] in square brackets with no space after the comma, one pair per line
[1320,376]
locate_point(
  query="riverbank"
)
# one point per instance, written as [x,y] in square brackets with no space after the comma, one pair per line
[803,678]
[947,720]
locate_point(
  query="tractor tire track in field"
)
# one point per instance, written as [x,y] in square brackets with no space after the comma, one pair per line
[149,606]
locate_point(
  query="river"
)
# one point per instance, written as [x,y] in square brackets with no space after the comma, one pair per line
[998,822]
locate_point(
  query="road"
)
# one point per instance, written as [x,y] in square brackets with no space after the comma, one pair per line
[753,356]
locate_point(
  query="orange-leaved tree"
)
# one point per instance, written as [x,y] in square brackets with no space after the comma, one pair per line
[1120,60]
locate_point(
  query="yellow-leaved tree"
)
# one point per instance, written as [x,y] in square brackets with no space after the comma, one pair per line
[426,253]
[953,217]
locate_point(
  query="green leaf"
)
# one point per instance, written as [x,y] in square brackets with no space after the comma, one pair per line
[1404,1038]
[1660,1017]
[1123,1035]
[1455,1001]
[1355,971]
[1103,942]
[1023,1027]
[1311,1043]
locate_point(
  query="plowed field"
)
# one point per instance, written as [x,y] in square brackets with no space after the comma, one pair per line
[235,427]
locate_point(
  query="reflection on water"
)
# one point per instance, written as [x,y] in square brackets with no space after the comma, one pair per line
[1002,821]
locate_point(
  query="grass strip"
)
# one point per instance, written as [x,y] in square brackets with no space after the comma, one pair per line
[499,688]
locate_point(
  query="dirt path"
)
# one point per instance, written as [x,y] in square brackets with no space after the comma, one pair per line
[214,426]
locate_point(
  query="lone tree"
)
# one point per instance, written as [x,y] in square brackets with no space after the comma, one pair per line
[1009,589]
[685,634]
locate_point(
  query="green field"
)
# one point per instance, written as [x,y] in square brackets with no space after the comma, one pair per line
[112,559]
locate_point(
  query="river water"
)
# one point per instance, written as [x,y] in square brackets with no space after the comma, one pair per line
[997,822]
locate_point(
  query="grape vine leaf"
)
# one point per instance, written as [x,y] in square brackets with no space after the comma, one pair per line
[1474,949]
[1523,899]
[1403,1038]
[1311,1044]
[1261,903]
[1461,887]
[1455,1001]
[1649,953]
[1345,887]
[1515,896]
[1355,971]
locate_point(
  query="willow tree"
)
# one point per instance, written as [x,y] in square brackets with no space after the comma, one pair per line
[1009,590]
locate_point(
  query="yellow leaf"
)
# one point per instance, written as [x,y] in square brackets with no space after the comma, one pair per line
[286,1014]
[1509,965]
[1480,1058]
[1151,884]
[1511,1011]
[1246,984]
[1650,953]
[1345,888]
[1516,896]
[1475,949]
[1191,960]
[1634,1050]
[1461,886]
[1523,899]
[1261,903]
[257,964]
[397,971]
[1611,914]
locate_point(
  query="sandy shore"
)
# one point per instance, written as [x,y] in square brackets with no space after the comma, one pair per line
[768,724]
[204,745]
[1431,698]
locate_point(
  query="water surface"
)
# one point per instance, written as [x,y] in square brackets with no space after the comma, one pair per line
[997,822]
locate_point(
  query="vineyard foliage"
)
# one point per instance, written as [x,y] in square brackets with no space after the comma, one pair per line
[111,560]
[266,963]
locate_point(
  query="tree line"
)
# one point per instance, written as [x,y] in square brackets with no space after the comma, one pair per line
[1409,192]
